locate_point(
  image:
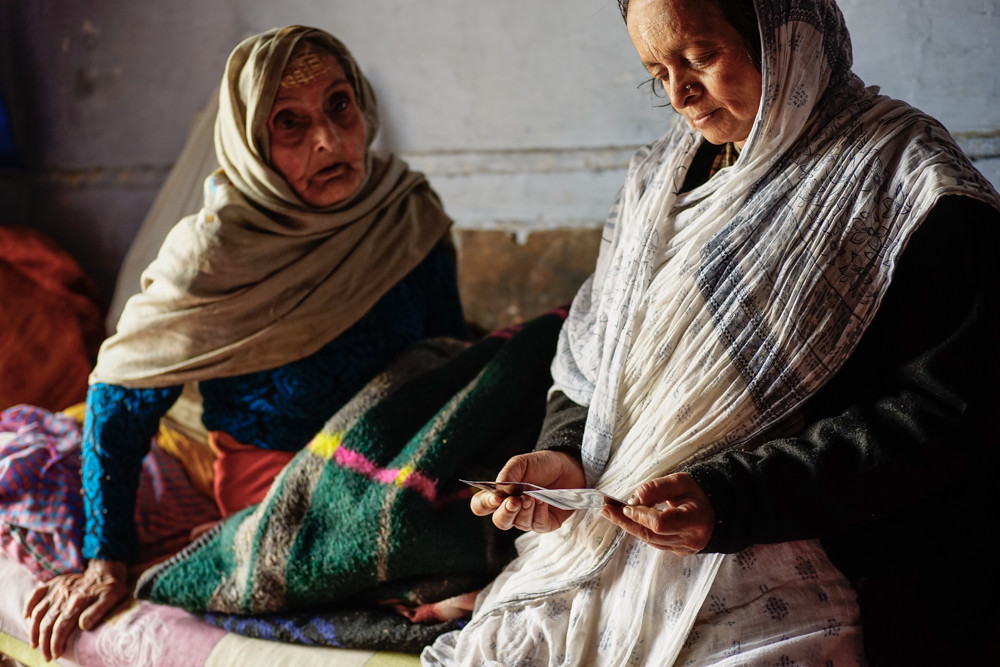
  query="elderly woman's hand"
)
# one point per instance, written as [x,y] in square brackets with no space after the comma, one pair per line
[60,605]
[553,470]
[684,525]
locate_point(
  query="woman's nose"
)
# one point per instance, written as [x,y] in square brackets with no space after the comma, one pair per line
[680,91]
[326,135]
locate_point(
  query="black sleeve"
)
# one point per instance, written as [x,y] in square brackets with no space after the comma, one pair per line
[909,414]
[562,428]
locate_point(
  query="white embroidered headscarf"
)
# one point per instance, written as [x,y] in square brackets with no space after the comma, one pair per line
[259,278]
[711,314]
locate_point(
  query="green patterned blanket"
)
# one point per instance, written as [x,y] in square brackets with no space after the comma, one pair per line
[372,509]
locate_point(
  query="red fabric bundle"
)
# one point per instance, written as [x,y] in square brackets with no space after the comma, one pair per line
[51,325]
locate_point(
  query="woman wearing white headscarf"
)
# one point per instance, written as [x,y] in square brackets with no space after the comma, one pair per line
[787,348]
[313,262]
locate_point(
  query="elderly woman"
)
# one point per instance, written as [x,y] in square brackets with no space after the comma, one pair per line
[786,355]
[312,264]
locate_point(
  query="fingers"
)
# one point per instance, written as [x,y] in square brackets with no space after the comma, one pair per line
[41,631]
[662,489]
[70,601]
[484,502]
[534,515]
[44,615]
[537,516]
[514,513]
[523,512]
[93,614]
[622,517]
[660,522]
[34,598]
[675,505]
[503,508]
[488,502]
[515,469]
[545,468]
[667,542]
[61,629]
[36,616]
[54,620]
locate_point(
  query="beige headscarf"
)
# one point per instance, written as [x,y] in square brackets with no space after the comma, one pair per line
[258,278]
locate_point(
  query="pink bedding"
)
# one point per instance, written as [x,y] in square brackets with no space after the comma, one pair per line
[139,633]
[142,634]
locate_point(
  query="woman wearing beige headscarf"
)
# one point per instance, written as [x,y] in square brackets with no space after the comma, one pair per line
[311,264]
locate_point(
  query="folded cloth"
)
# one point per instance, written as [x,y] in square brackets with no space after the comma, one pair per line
[41,510]
[372,509]
[41,504]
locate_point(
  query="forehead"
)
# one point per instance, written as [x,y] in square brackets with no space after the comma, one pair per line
[665,26]
[309,69]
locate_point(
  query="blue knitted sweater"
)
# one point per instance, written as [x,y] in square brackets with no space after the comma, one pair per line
[281,408]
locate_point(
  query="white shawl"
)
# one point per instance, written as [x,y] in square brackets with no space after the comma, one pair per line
[710,315]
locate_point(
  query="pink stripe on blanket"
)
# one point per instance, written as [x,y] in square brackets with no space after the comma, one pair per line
[328,446]
[355,461]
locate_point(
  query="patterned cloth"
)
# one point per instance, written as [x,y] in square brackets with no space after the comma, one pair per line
[167,506]
[372,509]
[41,511]
[41,505]
[711,314]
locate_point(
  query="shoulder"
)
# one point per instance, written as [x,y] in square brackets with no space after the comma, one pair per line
[959,230]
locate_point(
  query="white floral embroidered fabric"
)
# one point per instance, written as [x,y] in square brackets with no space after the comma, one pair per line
[711,315]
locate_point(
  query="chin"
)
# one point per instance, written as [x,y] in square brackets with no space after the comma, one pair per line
[334,193]
[724,135]
[720,138]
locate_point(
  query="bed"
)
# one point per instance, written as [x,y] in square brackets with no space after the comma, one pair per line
[142,634]
[363,541]
[362,548]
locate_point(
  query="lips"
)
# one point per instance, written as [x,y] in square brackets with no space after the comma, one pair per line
[333,171]
[704,118]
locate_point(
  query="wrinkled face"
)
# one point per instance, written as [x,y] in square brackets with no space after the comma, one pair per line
[317,131]
[701,61]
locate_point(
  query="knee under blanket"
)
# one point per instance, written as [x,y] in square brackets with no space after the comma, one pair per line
[372,509]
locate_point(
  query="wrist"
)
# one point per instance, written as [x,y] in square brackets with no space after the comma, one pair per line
[112,568]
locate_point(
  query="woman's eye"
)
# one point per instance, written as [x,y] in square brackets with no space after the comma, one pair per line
[285,122]
[339,103]
[701,61]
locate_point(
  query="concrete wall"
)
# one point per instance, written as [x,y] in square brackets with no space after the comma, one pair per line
[942,57]
[522,112]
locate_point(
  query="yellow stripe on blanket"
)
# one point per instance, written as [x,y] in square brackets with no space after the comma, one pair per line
[325,444]
[404,472]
